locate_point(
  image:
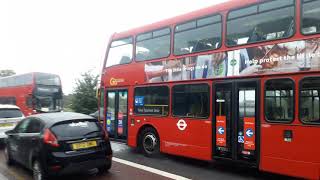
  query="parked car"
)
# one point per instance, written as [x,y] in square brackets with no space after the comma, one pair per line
[59,143]
[10,115]
[97,115]
[94,114]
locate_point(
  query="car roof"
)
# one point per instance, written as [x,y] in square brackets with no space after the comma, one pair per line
[8,106]
[53,118]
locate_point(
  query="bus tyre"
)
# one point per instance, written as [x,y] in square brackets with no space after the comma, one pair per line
[150,142]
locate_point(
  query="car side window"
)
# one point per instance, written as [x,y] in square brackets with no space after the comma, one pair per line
[22,127]
[34,126]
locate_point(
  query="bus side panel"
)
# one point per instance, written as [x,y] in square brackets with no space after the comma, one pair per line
[132,137]
[194,141]
[190,142]
[299,158]
[132,130]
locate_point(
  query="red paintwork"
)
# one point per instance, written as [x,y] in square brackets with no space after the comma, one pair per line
[20,93]
[298,158]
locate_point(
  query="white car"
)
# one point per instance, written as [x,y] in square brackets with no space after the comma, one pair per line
[10,115]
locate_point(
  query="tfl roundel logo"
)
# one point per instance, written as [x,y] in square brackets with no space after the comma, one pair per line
[182,125]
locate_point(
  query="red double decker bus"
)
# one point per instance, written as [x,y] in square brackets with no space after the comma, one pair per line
[33,92]
[236,81]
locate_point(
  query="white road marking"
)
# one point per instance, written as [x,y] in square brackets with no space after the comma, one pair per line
[150,169]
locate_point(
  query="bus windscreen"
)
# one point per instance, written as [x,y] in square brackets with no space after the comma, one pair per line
[47,79]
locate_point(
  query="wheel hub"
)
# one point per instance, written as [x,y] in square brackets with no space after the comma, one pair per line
[150,142]
[37,172]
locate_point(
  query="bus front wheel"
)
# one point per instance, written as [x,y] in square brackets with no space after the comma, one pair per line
[149,142]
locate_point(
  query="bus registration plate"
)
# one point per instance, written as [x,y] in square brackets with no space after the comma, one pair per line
[84,145]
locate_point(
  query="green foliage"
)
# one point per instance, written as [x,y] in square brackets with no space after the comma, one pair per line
[84,96]
[67,102]
[6,72]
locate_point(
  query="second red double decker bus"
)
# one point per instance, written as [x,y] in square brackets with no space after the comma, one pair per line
[238,81]
[33,92]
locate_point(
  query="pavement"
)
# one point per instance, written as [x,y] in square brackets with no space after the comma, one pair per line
[129,164]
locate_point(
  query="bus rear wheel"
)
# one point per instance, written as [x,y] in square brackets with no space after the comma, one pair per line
[150,142]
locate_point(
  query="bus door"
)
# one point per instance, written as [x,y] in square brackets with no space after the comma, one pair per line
[235,125]
[117,114]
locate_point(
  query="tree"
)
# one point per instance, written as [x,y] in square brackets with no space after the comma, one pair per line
[6,72]
[67,102]
[84,96]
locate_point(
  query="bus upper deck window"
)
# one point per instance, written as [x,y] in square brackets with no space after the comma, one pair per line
[120,52]
[310,17]
[262,22]
[199,35]
[153,45]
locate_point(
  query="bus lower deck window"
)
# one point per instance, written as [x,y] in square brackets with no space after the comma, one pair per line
[310,100]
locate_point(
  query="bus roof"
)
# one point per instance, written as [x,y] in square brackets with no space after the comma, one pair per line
[229,5]
[30,73]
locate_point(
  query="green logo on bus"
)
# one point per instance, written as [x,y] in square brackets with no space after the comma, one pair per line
[233,62]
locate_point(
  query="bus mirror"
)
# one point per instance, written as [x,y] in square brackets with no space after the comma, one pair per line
[98,93]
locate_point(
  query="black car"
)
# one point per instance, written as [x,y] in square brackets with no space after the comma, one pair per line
[59,143]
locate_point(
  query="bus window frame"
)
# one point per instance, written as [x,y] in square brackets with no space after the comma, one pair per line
[300,85]
[109,47]
[151,115]
[9,99]
[293,105]
[196,19]
[301,22]
[188,117]
[134,57]
[259,42]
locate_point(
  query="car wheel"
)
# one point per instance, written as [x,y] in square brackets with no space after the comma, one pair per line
[38,172]
[105,168]
[7,156]
[150,142]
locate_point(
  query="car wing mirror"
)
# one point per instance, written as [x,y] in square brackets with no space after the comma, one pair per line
[10,132]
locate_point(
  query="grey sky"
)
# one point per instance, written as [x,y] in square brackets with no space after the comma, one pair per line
[67,37]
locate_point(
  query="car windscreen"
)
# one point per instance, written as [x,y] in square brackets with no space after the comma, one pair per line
[10,113]
[77,128]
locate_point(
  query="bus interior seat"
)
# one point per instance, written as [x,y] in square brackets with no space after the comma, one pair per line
[201,46]
[279,112]
[125,60]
